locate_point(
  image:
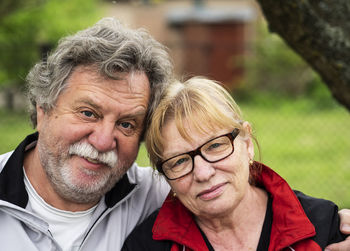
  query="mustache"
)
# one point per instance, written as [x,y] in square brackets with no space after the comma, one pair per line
[86,150]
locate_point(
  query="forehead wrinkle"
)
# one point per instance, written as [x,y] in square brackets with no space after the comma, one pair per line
[88,101]
[111,91]
[125,81]
[130,81]
[126,78]
[93,101]
[120,92]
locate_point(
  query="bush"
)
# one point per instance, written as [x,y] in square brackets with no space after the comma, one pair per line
[276,72]
[30,27]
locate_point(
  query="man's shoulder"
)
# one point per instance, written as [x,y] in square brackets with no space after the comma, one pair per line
[151,186]
[315,206]
[18,153]
[4,158]
[323,214]
[147,225]
[141,237]
[142,175]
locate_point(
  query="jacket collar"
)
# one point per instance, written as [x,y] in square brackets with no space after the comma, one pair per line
[176,223]
[12,188]
[290,223]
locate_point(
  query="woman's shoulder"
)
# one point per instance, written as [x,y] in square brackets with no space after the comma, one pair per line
[141,237]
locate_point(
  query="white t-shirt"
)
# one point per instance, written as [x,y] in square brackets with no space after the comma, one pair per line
[67,228]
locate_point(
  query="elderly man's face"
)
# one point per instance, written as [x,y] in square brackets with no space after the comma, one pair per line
[91,137]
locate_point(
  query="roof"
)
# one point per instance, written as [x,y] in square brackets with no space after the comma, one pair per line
[180,16]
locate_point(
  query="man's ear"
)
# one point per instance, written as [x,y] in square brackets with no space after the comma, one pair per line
[248,139]
[40,115]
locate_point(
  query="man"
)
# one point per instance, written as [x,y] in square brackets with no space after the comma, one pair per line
[74,184]
[345,228]
[65,188]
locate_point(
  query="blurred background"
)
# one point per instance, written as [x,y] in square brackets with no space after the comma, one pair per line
[302,131]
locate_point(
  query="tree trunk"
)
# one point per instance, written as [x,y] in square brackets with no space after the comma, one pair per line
[318,30]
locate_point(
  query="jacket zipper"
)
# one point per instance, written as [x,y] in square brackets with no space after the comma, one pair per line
[101,216]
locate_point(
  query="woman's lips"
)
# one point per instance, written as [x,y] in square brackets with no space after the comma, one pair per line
[212,193]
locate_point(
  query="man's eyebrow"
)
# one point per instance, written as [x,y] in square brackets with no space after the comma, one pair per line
[138,113]
[88,101]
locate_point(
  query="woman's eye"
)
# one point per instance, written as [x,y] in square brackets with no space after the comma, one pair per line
[180,162]
[214,145]
[88,114]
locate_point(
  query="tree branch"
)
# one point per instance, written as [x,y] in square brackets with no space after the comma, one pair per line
[318,30]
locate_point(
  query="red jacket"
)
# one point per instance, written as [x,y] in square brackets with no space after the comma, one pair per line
[291,225]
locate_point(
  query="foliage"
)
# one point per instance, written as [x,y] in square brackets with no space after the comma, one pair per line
[274,69]
[28,28]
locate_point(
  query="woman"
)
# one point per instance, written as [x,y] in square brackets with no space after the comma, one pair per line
[221,199]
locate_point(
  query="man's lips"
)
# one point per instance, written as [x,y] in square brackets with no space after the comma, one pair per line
[91,163]
[212,192]
[94,161]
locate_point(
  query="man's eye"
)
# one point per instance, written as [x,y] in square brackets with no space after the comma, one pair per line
[88,113]
[126,125]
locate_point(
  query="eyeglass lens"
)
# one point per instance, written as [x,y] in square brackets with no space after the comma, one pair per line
[212,151]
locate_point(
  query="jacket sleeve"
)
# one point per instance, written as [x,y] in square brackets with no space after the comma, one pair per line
[141,238]
[323,214]
[152,190]
[149,194]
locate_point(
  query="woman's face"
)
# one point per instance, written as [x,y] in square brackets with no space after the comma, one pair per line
[212,189]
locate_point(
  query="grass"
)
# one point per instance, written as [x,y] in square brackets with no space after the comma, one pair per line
[14,126]
[308,147]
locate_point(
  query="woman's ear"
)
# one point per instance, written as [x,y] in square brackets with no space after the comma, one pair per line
[248,139]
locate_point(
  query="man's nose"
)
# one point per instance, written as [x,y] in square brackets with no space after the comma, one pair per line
[202,170]
[103,137]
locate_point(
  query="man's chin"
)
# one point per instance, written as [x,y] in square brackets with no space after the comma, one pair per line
[83,194]
[84,185]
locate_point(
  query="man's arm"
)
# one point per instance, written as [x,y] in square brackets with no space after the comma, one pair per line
[345,229]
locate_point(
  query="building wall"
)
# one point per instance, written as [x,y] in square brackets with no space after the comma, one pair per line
[213,49]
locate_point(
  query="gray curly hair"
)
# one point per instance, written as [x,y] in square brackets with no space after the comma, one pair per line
[107,45]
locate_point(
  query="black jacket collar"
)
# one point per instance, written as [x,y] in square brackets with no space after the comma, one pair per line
[12,187]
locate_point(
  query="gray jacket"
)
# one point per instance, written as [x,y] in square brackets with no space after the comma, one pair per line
[131,200]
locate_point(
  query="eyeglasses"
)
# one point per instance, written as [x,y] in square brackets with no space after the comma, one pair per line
[212,151]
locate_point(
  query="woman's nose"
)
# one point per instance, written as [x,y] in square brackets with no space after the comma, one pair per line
[203,170]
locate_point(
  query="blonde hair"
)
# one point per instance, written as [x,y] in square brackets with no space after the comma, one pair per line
[202,103]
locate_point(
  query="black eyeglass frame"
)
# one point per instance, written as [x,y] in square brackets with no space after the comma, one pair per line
[232,135]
